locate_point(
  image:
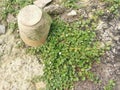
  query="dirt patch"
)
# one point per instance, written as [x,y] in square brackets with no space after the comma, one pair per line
[17,69]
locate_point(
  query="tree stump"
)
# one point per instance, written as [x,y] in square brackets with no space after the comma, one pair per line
[34,25]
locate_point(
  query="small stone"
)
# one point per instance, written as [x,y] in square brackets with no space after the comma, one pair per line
[54,9]
[72,13]
[2,29]
[42,3]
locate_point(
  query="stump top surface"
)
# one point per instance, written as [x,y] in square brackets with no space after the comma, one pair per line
[30,15]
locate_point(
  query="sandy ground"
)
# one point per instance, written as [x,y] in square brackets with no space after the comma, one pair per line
[17,69]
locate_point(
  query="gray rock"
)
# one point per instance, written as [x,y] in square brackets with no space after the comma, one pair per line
[2,29]
[42,3]
[54,9]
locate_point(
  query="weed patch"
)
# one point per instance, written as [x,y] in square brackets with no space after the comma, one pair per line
[110,85]
[112,6]
[12,7]
[71,4]
[68,54]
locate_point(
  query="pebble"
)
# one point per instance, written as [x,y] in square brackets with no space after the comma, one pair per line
[72,13]
[2,29]
[42,3]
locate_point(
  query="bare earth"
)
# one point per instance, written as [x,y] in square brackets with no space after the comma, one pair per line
[17,69]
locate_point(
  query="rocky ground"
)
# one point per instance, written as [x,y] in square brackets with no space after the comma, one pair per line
[17,69]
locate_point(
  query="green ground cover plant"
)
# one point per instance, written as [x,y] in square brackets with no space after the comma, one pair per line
[13,7]
[112,6]
[71,3]
[110,85]
[69,53]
